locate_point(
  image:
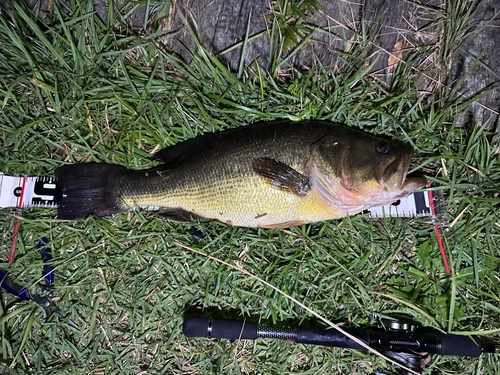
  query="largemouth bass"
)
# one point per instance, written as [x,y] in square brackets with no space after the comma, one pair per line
[269,175]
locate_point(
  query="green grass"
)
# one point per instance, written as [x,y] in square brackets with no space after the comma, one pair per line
[75,89]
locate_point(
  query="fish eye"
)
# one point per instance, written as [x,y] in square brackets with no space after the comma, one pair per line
[383,149]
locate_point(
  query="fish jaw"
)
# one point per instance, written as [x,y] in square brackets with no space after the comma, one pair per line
[411,185]
[393,184]
[395,180]
[394,174]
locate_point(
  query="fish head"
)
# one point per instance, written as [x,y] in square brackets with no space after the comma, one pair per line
[360,171]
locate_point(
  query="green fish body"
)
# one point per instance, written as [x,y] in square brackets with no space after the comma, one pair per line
[267,175]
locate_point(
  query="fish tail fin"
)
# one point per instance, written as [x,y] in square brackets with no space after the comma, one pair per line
[88,189]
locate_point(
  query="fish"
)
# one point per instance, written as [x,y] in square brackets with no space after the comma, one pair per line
[274,174]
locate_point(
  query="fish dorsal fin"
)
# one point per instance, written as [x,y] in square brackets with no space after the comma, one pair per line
[183,150]
[281,176]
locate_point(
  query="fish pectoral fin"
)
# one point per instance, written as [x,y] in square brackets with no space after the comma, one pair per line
[281,176]
[178,214]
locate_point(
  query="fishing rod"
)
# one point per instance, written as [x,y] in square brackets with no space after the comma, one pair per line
[403,341]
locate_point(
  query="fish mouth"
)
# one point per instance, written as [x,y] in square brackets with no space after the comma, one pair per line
[395,178]
[395,174]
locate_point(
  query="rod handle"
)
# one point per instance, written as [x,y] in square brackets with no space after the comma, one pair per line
[195,326]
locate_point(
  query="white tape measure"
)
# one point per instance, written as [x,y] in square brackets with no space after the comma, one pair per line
[27,192]
[24,192]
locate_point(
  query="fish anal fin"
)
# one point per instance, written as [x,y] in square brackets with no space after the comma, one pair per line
[285,224]
[281,176]
[179,214]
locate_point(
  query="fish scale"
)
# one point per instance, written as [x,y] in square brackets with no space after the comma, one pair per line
[227,198]
[214,186]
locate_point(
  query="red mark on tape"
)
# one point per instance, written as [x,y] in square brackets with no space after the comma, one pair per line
[16,227]
[437,231]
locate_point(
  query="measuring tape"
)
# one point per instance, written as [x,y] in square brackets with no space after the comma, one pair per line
[26,192]
[44,192]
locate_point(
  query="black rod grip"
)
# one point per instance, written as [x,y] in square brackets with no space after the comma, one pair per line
[219,328]
[465,346]
[328,337]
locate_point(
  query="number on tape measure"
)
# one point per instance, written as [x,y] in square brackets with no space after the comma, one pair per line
[29,192]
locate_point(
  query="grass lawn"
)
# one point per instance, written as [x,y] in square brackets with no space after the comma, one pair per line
[76,89]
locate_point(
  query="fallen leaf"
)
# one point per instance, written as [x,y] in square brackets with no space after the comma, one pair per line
[396,55]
